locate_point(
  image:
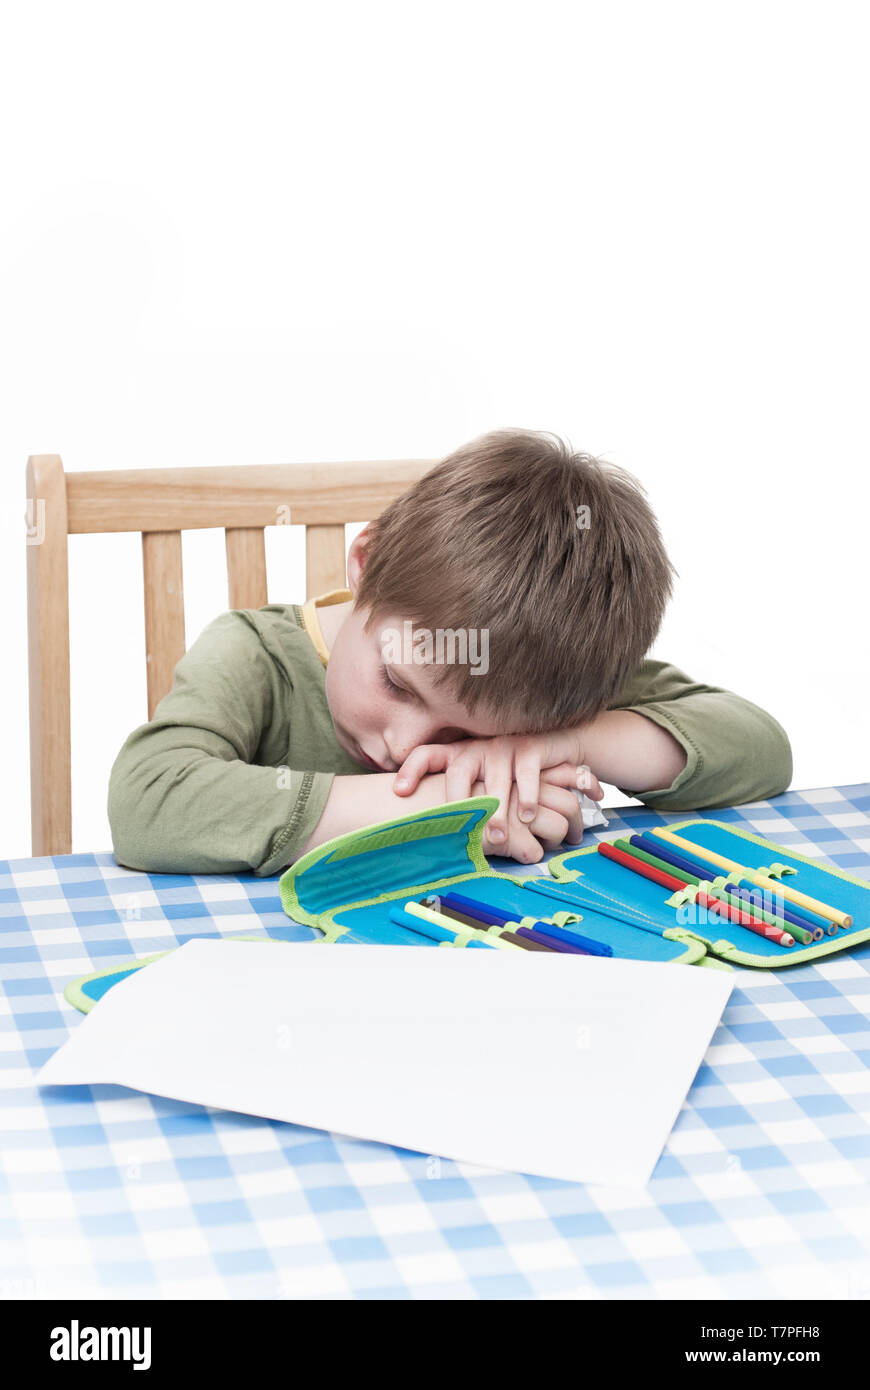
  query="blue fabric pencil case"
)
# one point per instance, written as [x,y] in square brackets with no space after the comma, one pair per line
[347,888]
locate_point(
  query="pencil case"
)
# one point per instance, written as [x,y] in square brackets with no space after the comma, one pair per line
[346,888]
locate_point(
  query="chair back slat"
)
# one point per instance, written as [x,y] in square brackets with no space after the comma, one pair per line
[325,563]
[246,567]
[164,611]
[189,499]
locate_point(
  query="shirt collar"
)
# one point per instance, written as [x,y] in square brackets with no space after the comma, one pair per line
[311,622]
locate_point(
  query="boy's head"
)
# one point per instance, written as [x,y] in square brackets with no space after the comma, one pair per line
[514,589]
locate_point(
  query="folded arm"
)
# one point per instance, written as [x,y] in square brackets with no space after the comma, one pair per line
[674,743]
[732,750]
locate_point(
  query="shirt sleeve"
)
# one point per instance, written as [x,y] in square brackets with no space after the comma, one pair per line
[184,793]
[735,751]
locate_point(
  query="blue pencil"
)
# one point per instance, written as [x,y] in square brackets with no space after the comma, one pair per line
[573,938]
[671,855]
[482,912]
[495,915]
[554,944]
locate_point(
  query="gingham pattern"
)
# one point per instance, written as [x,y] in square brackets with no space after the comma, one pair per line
[761,1192]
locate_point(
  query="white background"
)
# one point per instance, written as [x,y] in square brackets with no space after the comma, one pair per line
[278,232]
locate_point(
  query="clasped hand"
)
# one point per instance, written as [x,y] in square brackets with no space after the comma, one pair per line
[534,776]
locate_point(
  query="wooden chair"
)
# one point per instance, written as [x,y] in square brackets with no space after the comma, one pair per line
[161,503]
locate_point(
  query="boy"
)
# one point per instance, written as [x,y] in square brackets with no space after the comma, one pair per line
[492,639]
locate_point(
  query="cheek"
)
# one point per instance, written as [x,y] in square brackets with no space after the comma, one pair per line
[355,699]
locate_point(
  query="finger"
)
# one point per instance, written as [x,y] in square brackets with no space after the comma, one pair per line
[498,778]
[521,844]
[550,828]
[428,757]
[566,803]
[581,777]
[561,799]
[562,775]
[518,843]
[463,772]
[574,835]
[527,777]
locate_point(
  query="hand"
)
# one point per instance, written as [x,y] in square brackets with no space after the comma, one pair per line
[503,764]
[558,818]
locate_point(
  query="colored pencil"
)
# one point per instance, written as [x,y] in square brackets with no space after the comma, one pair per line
[437,919]
[759,914]
[743,919]
[665,880]
[528,940]
[509,919]
[785,917]
[832,914]
[629,861]
[665,865]
[812,925]
[754,918]
[569,948]
[483,912]
[433,931]
[698,868]
[565,936]
[528,943]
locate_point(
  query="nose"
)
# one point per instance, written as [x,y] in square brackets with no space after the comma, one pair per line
[401,738]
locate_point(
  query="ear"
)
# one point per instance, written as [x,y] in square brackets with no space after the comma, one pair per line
[356,557]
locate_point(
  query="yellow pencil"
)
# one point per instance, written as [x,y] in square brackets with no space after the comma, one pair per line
[764,881]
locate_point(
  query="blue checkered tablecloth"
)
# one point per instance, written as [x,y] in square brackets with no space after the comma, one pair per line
[763,1189]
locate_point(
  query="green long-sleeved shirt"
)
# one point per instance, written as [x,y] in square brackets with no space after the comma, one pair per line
[232,773]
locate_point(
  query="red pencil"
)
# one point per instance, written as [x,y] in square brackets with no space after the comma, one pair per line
[640,866]
[745,919]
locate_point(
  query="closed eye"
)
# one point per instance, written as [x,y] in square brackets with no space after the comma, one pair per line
[398,691]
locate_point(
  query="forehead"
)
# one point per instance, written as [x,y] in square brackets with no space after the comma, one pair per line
[419,676]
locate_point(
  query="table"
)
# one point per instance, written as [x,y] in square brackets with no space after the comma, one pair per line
[761,1192]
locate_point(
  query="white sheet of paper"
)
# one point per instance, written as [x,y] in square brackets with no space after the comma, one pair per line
[570,1067]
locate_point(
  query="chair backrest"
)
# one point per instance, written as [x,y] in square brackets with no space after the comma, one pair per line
[161,503]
